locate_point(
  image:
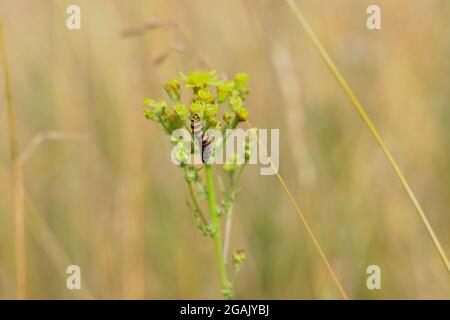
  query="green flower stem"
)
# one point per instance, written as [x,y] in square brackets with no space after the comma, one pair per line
[194,198]
[226,243]
[215,221]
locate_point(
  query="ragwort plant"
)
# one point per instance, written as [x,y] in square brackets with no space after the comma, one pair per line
[217,104]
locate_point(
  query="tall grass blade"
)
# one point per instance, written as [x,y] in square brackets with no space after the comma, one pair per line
[16,175]
[305,223]
[337,74]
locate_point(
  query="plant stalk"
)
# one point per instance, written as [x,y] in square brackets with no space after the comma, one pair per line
[368,122]
[229,221]
[215,221]
[16,177]
[194,198]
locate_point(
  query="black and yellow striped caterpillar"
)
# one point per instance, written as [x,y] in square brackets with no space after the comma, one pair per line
[202,138]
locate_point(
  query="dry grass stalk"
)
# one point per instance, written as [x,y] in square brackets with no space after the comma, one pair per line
[368,122]
[16,175]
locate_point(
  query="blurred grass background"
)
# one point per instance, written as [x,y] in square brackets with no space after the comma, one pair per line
[116,206]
